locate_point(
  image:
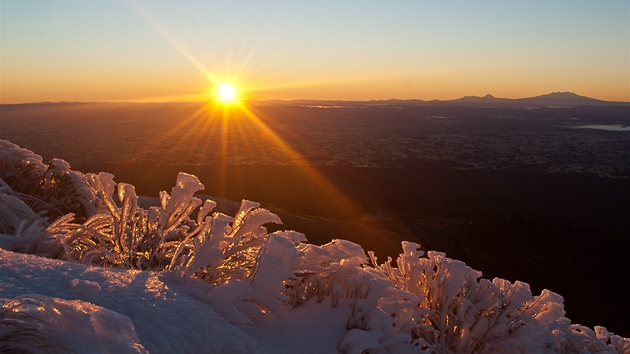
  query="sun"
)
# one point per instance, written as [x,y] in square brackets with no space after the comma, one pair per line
[226,93]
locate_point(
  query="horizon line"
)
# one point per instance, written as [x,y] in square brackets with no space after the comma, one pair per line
[490,96]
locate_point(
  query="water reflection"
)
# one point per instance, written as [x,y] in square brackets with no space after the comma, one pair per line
[609,127]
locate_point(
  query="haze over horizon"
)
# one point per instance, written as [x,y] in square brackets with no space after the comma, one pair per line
[561,96]
[135,50]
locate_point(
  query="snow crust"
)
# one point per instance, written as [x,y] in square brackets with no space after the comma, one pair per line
[178,278]
[152,311]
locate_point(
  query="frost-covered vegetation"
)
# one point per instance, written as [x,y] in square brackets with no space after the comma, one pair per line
[424,303]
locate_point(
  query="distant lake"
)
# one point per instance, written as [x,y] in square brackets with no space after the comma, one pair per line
[612,127]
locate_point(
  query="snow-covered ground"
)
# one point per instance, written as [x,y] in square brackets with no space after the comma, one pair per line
[179,278]
[124,311]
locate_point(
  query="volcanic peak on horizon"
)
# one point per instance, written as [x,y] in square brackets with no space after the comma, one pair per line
[476,98]
[566,95]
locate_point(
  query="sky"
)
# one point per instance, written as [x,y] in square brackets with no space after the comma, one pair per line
[141,50]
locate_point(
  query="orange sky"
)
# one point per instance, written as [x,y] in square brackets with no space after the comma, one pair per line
[140,51]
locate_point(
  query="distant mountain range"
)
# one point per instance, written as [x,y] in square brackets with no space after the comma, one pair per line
[554,99]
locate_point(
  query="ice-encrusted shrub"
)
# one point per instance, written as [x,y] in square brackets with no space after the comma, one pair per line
[333,269]
[575,338]
[165,237]
[51,190]
[612,341]
[122,234]
[286,272]
[18,222]
[229,249]
[180,235]
[21,229]
[467,315]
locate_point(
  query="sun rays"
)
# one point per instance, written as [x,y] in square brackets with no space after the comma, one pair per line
[225,129]
[219,137]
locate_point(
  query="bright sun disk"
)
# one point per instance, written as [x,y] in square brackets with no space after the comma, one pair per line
[227,93]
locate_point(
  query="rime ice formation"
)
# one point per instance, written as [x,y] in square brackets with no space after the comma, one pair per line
[178,278]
